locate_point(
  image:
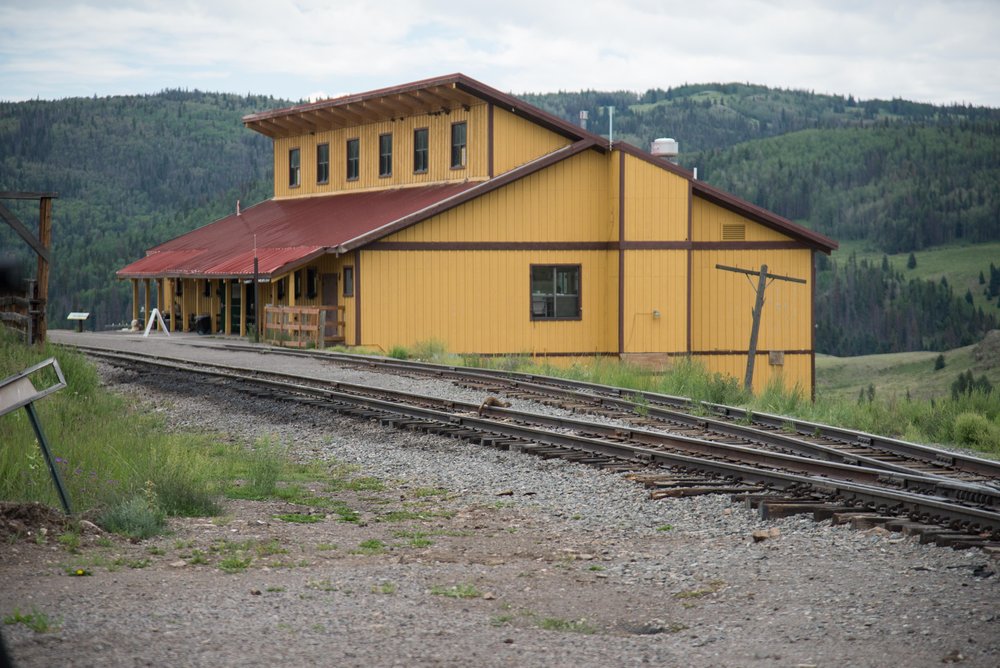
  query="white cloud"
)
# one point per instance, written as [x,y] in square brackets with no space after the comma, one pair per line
[932,50]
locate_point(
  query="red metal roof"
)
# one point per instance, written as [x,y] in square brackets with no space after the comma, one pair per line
[288,232]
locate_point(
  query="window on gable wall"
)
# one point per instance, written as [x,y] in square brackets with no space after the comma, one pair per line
[420,150]
[385,155]
[322,163]
[353,158]
[348,281]
[458,147]
[298,283]
[294,170]
[312,282]
[555,292]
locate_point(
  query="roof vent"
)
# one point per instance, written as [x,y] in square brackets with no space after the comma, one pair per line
[665,148]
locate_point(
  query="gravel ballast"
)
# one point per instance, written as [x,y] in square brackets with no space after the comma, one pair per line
[511,560]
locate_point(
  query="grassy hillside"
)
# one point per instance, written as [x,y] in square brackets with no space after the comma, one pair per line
[893,375]
[959,264]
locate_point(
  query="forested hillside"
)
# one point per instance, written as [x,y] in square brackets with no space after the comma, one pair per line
[134,171]
[131,172]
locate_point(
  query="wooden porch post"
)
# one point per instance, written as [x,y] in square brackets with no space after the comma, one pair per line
[243,308]
[146,317]
[45,239]
[135,299]
[228,292]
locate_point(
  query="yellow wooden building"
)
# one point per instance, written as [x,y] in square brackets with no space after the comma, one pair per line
[445,209]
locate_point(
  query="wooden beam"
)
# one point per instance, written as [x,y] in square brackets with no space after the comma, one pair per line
[27,195]
[25,233]
[44,262]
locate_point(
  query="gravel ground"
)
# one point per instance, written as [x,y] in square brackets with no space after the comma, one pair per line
[546,564]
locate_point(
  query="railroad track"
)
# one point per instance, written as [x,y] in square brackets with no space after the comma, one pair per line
[794,476]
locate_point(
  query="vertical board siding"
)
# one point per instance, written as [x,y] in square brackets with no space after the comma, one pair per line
[479,302]
[566,202]
[438,154]
[517,141]
[708,219]
[656,203]
[655,280]
[796,372]
[722,301]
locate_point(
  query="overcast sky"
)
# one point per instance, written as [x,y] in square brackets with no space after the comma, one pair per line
[939,51]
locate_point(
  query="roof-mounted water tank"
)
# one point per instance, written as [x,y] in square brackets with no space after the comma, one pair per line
[665,148]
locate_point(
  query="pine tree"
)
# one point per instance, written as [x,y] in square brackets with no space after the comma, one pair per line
[939,362]
[911,262]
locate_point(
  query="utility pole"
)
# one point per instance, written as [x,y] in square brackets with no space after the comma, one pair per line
[763,279]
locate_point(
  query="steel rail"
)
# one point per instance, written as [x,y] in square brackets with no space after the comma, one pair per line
[849,437]
[917,505]
[663,407]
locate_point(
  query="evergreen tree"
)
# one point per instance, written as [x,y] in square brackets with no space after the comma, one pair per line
[911,262]
[939,362]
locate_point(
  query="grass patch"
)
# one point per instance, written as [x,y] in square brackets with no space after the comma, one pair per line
[711,588]
[362,484]
[300,518]
[385,588]
[566,625]
[425,492]
[36,620]
[235,563]
[370,546]
[457,591]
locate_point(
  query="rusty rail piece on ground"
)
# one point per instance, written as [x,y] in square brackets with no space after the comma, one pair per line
[960,506]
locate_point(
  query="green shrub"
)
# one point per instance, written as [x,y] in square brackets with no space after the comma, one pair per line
[975,430]
[137,517]
[399,353]
[265,463]
[431,350]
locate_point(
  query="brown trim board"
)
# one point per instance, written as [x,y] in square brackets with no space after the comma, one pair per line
[491,245]
[357,298]
[690,263]
[744,353]
[489,139]
[812,320]
[582,245]
[621,253]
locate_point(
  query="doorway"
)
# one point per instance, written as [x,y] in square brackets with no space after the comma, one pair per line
[330,299]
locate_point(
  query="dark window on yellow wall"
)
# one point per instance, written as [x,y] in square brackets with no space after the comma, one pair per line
[312,282]
[208,289]
[353,158]
[458,148]
[348,281]
[555,292]
[179,289]
[297,281]
[322,163]
[282,287]
[420,150]
[385,155]
[294,170]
